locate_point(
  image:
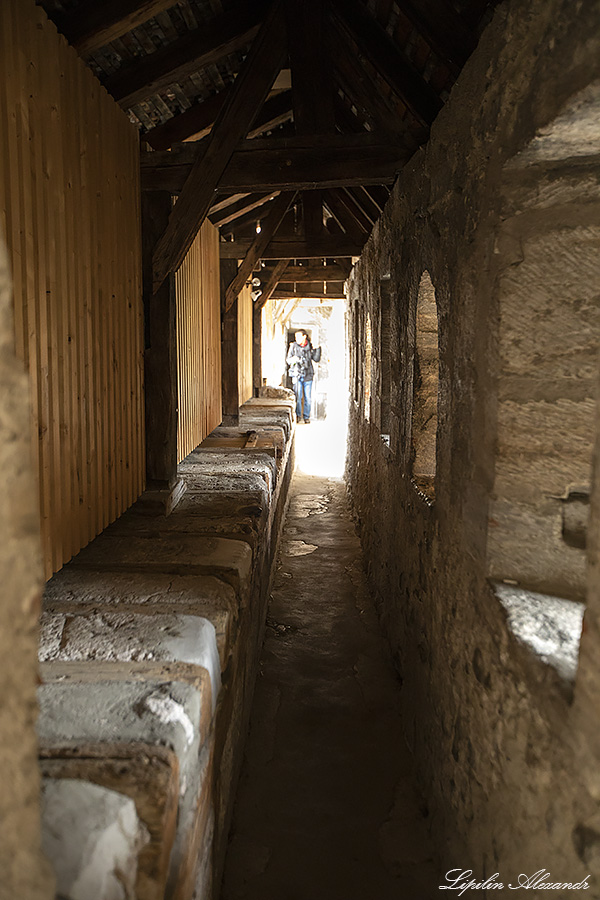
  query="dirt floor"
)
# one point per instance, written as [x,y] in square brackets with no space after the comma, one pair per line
[326,806]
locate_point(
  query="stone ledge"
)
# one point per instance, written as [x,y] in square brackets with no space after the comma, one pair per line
[549,626]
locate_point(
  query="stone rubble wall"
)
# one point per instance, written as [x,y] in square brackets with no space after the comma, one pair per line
[150,641]
[507,758]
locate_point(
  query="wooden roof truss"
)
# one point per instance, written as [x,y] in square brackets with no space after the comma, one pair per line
[283,121]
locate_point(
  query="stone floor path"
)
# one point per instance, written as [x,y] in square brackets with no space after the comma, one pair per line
[326,806]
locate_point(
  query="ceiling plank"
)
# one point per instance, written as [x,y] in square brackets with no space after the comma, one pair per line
[198,121]
[284,164]
[273,280]
[237,210]
[252,85]
[388,59]
[329,247]
[91,24]
[202,47]
[269,227]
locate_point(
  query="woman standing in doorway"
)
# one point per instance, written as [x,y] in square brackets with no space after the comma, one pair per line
[300,360]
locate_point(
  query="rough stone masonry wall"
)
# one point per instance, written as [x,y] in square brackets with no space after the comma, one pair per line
[24,871]
[509,762]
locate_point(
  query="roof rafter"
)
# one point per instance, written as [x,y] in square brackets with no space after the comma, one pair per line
[203,47]
[383,53]
[198,121]
[250,91]
[91,25]
[444,30]
[242,208]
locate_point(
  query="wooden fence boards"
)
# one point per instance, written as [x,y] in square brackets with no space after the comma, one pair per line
[70,209]
[197,293]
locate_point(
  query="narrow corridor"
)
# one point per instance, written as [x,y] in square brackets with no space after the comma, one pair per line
[326,805]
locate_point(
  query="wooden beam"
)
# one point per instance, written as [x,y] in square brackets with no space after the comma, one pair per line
[444,30]
[255,251]
[301,274]
[365,202]
[388,59]
[308,295]
[275,276]
[198,121]
[230,398]
[252,85]
[225,202]
[378,193]
[202,47]
[344,216]
[284,164]
[231,213]
[354,208]
[256,350]
[312,86]
[327,248]
[359,87]
[475,10]
[160,358]
[91,24]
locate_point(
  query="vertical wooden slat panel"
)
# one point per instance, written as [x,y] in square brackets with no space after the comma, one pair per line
[198,341]
[70,208]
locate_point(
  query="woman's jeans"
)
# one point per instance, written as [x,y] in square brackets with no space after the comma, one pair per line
[302,390]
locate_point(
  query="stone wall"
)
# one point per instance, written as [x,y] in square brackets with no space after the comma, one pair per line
[24,871]
[501,208]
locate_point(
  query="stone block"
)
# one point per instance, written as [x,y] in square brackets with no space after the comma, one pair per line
[149,641]
[149,712]
[93,837]
[147,775]
[268,439]
[253,416]
[230,462]
[88,590]
[177,554]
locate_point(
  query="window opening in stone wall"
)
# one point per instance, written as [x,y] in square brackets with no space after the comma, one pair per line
[385,354]
[425,389]
[368,363]
[548,336]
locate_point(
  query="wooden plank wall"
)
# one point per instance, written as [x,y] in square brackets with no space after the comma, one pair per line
[69,207]
[245,384]
[198,341]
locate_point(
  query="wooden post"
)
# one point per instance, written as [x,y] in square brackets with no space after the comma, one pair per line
[257,349]
[163,487]
[229,347]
